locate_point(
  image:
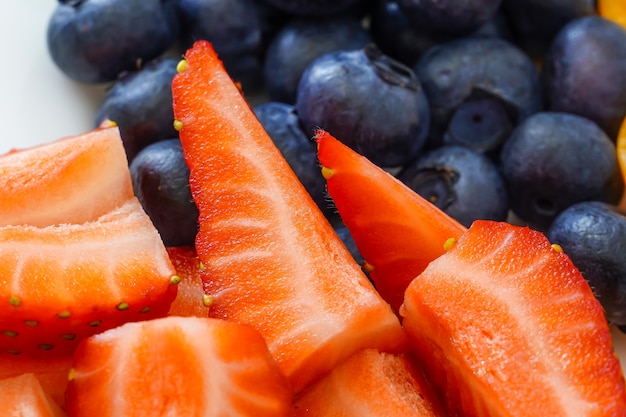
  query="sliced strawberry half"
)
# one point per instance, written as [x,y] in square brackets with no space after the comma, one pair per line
[51,372]
[190,298]
[23,395]
[64,282]
[370,384]
[271,259]
[505,325]
[396,230]
[177,366]
[71,180]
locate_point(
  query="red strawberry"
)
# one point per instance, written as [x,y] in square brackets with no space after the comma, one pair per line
[190,298]
[396,230]
[65,282]
[505,325]
[50,372]
[177,366]
[23,396]
[270,257]
[370,384]
[74,179]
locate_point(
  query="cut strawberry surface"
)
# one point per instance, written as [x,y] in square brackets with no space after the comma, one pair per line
[23,396]
[370,384]
[71,180]
[65,282]
[177,366]
[50,372]
[271,259]
[505,325]
[190,297]
[396,230]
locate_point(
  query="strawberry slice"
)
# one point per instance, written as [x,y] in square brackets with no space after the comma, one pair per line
[23,396]
[271,259]
[71,180]
[370,384]
[177,366]
[190,298]
[64,282]
[505,325]
[50,372]
[397,231]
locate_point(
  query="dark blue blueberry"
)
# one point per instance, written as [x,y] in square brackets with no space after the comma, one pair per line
[593,235]
[140,102]
[299,42]
[464,183]
[282,125]
[94,41]
[160,180]
[474,69]
[553,160]
[450,16]
[372,103]
[238,30]
[585,72]
[316,7]
[399,38]
[535,23]
[482,124]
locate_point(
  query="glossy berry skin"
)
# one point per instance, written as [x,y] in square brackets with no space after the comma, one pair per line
[140,103]
[450,16]
[281,123]
[397,37]
[238,30]
[160,180]
[370,102]
[478,68]
[535,23]
[464,183]
[553,160]
[299,42]
[94,41]
[593,234]
[585,72]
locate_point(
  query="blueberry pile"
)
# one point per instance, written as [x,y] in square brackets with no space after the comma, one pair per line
[506,110]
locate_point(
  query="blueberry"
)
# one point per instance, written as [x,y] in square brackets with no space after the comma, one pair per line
[482,124]
[585,72]
[160,180]
[399,38]
[475,69]
[282,124]
[462,182]
[140,102]
[94,41]
[299,42]
[238,30]
[553,160]
[315,7]
[535,23]
[372,103]
[450,16]
[593,235]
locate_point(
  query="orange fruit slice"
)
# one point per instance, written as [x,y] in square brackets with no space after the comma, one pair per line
[614,10]
[621,155]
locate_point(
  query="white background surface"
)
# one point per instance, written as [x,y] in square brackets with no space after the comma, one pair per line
[39,104]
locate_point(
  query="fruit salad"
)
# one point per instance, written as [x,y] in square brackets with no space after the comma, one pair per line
[294,208]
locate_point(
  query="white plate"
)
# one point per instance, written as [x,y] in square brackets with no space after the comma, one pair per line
[39,104]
